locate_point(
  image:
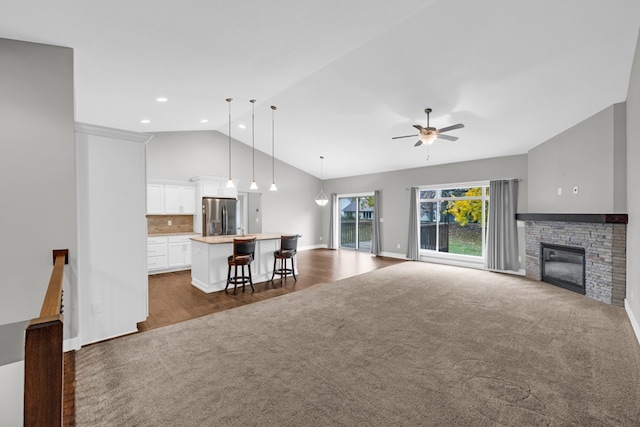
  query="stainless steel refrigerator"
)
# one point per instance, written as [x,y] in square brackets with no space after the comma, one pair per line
[218,216]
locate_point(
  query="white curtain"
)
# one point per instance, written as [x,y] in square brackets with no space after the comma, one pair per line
[413,251]
[502,235]
[376,245]
[333,208]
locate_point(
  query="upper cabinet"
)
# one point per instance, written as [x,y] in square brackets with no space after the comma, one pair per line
[155,198]
[179,199]
[212,186]
[171,198]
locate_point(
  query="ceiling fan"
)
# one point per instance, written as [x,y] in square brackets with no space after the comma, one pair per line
[429,134]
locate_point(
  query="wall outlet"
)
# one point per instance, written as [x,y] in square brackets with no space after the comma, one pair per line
[575,190]
[321,238]
[169,222]
[398,245]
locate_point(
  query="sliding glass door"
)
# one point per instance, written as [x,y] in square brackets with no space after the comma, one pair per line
[356,220]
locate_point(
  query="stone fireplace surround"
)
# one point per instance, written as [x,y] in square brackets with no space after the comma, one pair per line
[604,239]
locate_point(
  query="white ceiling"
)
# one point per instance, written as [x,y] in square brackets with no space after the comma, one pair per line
[346,75]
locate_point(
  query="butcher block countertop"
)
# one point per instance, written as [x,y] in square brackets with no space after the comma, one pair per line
[216,240]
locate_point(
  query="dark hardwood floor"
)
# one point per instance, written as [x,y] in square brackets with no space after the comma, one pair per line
[173,299]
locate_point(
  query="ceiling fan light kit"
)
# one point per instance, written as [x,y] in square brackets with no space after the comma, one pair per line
[429,134]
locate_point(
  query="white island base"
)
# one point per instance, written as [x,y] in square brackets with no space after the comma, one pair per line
[209,260]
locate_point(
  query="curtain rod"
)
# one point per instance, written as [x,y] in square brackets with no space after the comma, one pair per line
[447,185]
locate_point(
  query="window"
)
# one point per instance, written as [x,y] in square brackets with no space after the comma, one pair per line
[453,219]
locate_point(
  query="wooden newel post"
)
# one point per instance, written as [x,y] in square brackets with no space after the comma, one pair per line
[43,383]
[43,356]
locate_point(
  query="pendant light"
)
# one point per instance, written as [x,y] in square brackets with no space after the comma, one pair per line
[254,185]
[273,150]
[321,198]
[230,181]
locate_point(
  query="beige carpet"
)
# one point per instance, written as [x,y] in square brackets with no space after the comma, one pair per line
[411,344]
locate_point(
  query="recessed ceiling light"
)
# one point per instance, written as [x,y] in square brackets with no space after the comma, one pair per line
[204,121]
[145,121]
[162,99]
[241,126]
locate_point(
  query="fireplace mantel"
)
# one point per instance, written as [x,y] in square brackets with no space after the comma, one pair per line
[593,218]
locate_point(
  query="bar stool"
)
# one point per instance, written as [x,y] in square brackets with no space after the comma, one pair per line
[287,251]
[243,254]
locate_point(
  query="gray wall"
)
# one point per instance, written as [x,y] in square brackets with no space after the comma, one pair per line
[590,155]
[633,196]
[37,176]
[291,209]
[395,186]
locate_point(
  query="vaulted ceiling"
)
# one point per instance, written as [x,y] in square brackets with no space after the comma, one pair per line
[345,75]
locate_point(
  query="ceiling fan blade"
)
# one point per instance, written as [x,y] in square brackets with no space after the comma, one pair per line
[420,128]
[452,127]
[418,144]
[406,136]
[448,137]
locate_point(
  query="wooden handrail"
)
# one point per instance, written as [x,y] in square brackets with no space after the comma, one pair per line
[43,356]
[51,305]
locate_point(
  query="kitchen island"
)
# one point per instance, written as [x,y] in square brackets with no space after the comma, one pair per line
[209,259]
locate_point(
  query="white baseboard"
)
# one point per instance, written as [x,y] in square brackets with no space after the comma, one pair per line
[169,270]
[393,255]
[71,344]
[633,319]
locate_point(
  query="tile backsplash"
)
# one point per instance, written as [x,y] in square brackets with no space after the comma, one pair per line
[158,224]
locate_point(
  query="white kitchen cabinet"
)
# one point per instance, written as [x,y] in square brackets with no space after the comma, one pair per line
[179,251]
[169,253]
[189,199]
[179,199]
[157,258]
[155,198]
[213,186]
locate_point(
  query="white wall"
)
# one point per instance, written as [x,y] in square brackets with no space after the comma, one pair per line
[12,394]
[590,155]
[291,209]
[395,186]
[633,195]
[112,268]
[37,184]
[37,173]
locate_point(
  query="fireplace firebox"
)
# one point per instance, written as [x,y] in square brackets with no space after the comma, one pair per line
[563,266]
